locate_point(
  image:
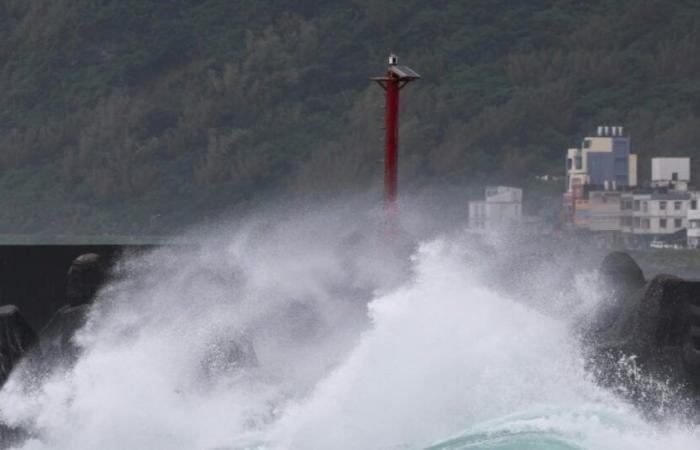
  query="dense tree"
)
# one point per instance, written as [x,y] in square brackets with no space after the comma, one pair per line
[114,112]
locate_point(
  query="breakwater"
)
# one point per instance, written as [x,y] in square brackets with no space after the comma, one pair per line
[34,277]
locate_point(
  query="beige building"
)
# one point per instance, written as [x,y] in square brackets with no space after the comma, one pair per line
[604,209]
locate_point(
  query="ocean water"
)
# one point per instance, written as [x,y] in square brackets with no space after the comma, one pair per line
[360,342]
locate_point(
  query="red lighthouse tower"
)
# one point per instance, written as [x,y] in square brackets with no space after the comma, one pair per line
[395,79]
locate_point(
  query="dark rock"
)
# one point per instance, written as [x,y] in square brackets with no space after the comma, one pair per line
[623,281]
[636,327]
[621,271]
[56,337]
[650,341]
[18,344]
[16,339]
[85,276]
[670,322]
[659,327]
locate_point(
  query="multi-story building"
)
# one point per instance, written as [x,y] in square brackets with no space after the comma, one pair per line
[604,159]
[501,208]
[639,215]
[659,212]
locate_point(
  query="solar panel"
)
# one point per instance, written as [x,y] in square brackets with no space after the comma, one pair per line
[404,72]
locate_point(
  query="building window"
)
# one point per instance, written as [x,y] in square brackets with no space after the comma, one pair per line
[674,176]
[677,205]
[637,203]
[637,222]
[645,224]
[662,223]
[693,204]
[645,207]
[677,223]
[568,163]
[662,205]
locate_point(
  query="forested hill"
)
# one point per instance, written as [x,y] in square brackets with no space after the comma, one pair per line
[134,116]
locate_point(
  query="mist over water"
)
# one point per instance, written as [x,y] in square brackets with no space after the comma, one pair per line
[316,330]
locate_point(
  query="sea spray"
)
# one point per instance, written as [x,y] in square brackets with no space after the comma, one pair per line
[295,288]
[342,341]
[443,352]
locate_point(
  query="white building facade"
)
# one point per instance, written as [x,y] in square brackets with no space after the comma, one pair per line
[660,213]
[501,208]
[694,222]
[672,173]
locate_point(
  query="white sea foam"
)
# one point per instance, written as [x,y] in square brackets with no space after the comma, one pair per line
[357,346]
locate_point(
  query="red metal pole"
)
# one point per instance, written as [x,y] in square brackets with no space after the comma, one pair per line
[395,79]
[392,142]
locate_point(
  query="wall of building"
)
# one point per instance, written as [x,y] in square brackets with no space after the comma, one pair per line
[646,214]
[632,170]
[503,194]
[659,214]
[502,207]
[604,210]
[663,169]
[582,213]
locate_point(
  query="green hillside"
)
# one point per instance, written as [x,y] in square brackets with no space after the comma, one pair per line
[137,116]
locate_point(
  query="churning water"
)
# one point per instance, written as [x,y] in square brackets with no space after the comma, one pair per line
[311,332]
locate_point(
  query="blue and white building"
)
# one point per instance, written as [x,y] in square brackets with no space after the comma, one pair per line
[603,160]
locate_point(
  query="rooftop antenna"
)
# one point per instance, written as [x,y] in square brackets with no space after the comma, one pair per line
[395,79]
